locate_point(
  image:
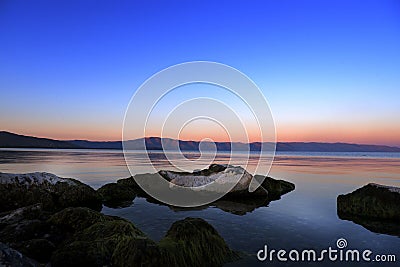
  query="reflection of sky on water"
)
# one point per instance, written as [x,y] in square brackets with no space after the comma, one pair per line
[304,218]
[97,167]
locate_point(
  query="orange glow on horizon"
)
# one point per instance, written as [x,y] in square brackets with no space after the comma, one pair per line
[378,134]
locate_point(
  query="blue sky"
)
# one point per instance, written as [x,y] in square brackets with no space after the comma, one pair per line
[329,69]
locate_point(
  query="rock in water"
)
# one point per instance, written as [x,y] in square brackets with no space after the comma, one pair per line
[55,193]
[116,195]
[194,242]
[229,175]
[223,175]
[189,242]
[375,207]
[373,201]
[276,188]
[95,239]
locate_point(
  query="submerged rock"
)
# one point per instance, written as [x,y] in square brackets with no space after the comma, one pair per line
[116,195]
[375,207]
[55,193]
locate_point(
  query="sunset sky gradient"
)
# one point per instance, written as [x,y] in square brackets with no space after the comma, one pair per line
[330,70]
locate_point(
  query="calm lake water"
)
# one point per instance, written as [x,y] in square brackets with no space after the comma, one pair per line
[303,219]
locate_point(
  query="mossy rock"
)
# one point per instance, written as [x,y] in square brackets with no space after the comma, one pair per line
[137,251]
[194,242]
[276,188]
[14,196]
[79,236]
[371,201]
[25,213]
[95,245]
[53,192]
[80,195]
[75,219]
[24,230]
[128,182]
[189,242]
[109,229]
[116,195]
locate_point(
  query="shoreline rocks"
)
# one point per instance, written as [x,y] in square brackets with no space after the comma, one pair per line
[79,236]
[38,228]
[55,193]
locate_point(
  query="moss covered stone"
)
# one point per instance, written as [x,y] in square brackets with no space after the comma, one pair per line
[189,242]
[375,207]
[371,201]
[93,237]
[137,251]
[276,188]
[194,242]
[116,195]
[75,219]
[97,242]
[53,192]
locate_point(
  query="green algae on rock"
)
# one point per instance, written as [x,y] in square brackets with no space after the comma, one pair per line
[194,242]
[55,193]
[372,200]
[116,195]
[375,207]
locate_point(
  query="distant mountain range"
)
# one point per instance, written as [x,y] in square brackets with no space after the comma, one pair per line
[12,140]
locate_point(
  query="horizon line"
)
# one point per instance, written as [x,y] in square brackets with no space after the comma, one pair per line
[304,142]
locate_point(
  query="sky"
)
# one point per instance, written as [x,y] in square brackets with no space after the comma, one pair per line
[328,69]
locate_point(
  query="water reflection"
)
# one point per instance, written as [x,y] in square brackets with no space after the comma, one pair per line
[374,225]
[233,206]
[304,218]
